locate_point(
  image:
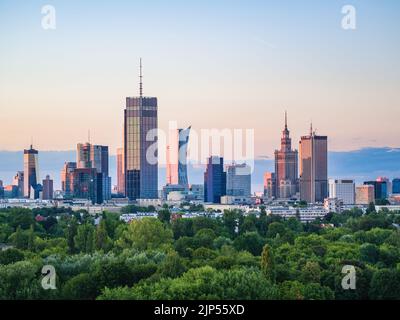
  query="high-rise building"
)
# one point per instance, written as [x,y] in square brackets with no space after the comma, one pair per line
[31,173]
[286,167]
[214,180]
[19,183]
[120,171]
[87,184]
[47,188]
[269,185]
[66,179]
[380,187]
[140,146]
[238,180]
[313,168]
[365,194]
[1,190]
[343,190]
[99,161]
[177,157]
[83,153]
[396,186]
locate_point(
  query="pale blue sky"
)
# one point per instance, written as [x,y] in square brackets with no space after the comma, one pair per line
[212,64]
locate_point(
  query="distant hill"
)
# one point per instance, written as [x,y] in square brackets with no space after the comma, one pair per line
[361,165]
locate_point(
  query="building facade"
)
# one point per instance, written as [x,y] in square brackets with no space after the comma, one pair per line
[365,194]
[269,185]
[19,183]
[344,190]
[396,186]
[177,157]
[380,188]
[238,180]
[313,168]
[214,180]
[66,178]
[140,146]
[31,173]
[120,172]
[286,167]
[47,188]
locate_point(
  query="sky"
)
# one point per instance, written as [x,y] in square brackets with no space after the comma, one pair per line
[235,64]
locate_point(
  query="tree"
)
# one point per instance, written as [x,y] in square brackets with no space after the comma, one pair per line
[147,233]
[164,215]
[369,253]
[251,242]
[102,240]
[311,272]
[385,285]
[71,232]
[81,287]
[84,239]
[268,263]
[276,228]
[11,255]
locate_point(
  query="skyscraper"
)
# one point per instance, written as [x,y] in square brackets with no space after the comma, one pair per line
[120,171]
[177,157]
[214,180]
[86,185]
[313,167]
[286,167]
[238,180]
[83,152]
[19,183]
[47,188]
[140,146]
[99,161]
[66,179]
[31,173]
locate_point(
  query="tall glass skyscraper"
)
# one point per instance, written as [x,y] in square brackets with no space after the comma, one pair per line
[313,168]
[31,173]
[214,180]
[140,146]
[396,186]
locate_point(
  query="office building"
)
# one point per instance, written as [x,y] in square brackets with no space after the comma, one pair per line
[19,183]
[66,179]
[365,194]
[31,173]
[269,185]
[380,187]
[177,157]
[140,146]
[238,180]
[396,186]
[48,191]
[99,161]
[214,180]
[313,168]
[87,184]
[286,167]
[344,190]
[120,172]
[83,153]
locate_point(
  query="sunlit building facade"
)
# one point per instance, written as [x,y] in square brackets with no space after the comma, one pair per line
[120,172]
[313,168]
[286,167]
[31,173]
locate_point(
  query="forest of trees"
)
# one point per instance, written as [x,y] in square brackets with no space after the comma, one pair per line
[235,257]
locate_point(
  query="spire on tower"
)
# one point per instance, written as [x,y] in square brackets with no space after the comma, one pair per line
[285,120]
[311,129]
[141,78]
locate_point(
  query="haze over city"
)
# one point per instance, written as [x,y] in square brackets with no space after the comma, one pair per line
[212,64]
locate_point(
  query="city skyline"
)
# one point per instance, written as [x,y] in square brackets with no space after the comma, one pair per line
[349,75]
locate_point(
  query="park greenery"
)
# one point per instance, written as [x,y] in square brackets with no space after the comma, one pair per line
[233,257]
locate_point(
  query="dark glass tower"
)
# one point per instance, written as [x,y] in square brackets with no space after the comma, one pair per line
[140,146]
[214,180]
[31,174]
